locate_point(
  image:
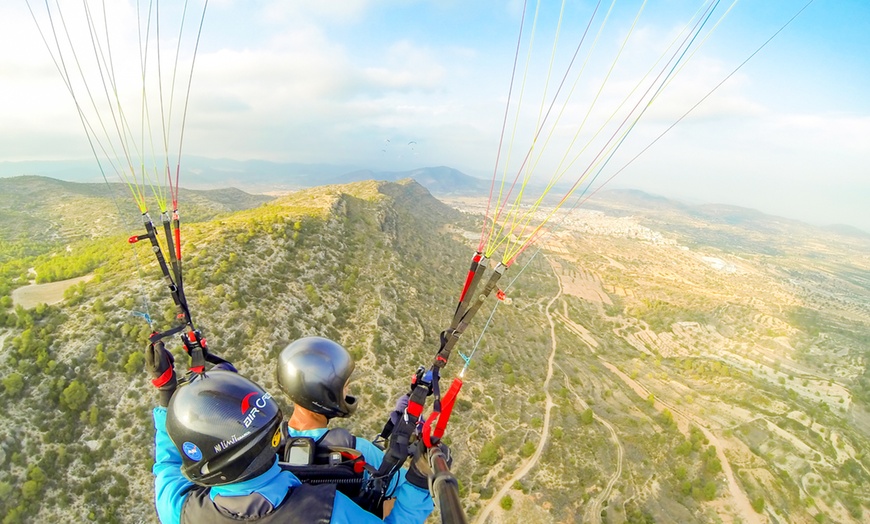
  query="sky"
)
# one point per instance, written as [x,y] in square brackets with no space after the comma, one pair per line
[395,85]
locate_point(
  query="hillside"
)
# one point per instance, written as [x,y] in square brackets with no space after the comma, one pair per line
[368,264]
[38,214]
[653,365]
[723,355]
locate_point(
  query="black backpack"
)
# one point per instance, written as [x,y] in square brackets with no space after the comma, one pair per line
[332,459]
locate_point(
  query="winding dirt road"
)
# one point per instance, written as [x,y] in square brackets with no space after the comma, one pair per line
[593,511]
[545,431]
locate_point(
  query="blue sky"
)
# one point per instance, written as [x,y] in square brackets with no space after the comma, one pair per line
[333,82]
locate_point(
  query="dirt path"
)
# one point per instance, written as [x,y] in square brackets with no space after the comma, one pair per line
[593,512]
[740,501]
[545,431]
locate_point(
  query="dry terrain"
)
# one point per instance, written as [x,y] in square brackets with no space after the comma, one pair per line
[718,342]
[51,293]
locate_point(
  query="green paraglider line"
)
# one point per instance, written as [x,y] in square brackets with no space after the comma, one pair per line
[511,255]
[483,237]
[684,115]
[561,172]
[184,116]
[581,199]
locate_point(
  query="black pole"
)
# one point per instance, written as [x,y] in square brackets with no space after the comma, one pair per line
[445,489]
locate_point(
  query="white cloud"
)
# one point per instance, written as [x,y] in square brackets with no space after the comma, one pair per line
[835,133]
[282,11]
[285,81]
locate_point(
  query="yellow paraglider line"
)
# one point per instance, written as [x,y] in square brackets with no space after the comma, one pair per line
[124,133]
[499,238]
[57,57]
[187,101]
[513,214]
[105,122]
[553,179]
[512,230]
[97,72]
[701,44]
[559,171]
[499,204]
[606,153]
[571,93]
[122,152]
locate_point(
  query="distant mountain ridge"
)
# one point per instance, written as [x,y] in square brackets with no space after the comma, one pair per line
[258,176]
[439,180]
[657,207]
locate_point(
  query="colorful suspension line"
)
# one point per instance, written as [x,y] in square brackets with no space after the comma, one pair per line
[99,105]
[426,382]
[583,196]
[515,231]
[616,139]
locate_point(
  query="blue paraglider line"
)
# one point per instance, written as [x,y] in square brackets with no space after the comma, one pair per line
[146,316]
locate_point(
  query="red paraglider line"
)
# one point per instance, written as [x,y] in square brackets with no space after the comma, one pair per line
[501,205]
[483,235]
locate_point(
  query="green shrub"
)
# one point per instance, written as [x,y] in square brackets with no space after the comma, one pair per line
[527,450]
[758,504]
[507,502]
[13,384]
[489,454]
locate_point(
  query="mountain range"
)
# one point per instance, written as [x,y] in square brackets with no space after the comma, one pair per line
[261,176]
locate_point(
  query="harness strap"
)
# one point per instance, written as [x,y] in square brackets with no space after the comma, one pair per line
[198,351]
[172,277]
[475,272]
[440,417]
[163,378]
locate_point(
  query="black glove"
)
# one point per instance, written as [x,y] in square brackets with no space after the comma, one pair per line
[448,457]
[194,341]
[419,471]
[161,364]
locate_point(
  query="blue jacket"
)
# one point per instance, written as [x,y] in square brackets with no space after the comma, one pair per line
[412,503]
[171,487]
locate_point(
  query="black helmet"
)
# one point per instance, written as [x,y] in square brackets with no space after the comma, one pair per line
[313,372]
[225,426]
